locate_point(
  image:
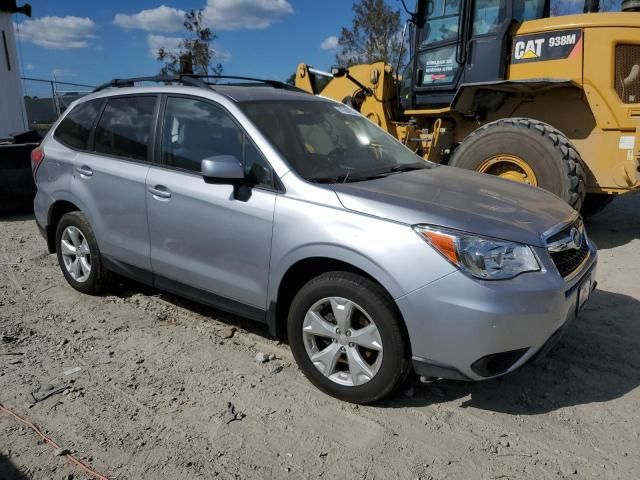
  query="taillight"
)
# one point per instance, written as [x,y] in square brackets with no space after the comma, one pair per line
[37,156]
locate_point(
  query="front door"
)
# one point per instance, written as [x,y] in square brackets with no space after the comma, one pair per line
[210,241]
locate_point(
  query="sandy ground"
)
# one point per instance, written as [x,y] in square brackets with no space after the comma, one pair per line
[157,373]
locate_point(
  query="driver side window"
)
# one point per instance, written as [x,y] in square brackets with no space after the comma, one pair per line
[194,130]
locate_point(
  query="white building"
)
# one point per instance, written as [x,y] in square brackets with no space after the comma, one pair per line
[13,116]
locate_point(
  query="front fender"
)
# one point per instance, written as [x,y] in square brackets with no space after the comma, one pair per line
[332,252]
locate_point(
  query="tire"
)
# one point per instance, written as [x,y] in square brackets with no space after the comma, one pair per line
[594,203]
[98,278]
[547,151]
[388,366]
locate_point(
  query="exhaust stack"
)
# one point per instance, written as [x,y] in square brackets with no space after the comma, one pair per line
[630,6]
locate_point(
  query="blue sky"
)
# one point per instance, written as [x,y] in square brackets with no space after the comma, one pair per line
[80,41]
[88,41]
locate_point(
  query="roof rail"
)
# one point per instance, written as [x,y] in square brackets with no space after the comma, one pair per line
[192,80]
[271,83]
[189,80]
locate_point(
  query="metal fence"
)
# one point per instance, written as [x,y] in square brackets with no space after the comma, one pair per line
[45,100]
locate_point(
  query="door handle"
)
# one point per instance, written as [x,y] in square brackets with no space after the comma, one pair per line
[85,171]
[159,191]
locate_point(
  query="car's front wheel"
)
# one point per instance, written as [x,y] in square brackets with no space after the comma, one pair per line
[347,337]
[79,256]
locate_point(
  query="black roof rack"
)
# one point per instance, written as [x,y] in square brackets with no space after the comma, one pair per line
[189,80]
[271,83]
[193,81]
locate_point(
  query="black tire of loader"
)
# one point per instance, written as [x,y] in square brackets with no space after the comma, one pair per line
[553,158]
[595,203]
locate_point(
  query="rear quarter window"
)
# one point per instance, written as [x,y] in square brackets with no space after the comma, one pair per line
[75,128]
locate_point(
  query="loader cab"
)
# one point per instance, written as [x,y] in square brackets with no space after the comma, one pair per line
[457,42]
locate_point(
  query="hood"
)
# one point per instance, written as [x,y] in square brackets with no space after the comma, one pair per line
[459,199]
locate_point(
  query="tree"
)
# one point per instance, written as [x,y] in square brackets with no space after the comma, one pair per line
[291,80]
[196,49]
[375,35]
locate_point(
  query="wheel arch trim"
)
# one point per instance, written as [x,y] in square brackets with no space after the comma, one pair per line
[333,256]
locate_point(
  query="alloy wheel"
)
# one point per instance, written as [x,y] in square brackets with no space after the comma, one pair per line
[342,341]
[76,254]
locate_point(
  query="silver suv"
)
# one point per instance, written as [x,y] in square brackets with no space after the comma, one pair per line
[298,212]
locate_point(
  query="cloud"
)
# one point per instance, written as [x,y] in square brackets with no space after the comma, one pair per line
[62,72]
[222,55]
[172,45]
[156,42]
[329,43]
[160,19]
[239,14]
[57,33]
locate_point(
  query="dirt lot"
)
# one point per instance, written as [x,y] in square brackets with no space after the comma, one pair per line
[157,373]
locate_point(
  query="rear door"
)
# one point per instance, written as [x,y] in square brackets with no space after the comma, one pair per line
[110,177]
[210,241]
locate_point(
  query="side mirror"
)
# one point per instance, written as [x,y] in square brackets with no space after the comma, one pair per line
[222,167]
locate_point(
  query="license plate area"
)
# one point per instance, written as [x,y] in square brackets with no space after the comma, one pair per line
[584,292]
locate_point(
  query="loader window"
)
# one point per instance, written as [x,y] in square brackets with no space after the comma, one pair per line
[441,25]
[438,35]
[487,16]
[438,66]
[524,10]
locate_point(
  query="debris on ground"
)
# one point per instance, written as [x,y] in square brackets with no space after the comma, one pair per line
[71,371]
[227,332]
[230,414]
[45,391]
[60,452]
[262,357]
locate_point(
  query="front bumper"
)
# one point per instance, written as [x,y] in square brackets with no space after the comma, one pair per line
[466,329]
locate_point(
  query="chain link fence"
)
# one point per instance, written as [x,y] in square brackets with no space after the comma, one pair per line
[45,100]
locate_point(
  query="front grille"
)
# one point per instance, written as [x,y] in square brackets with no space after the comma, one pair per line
[567,261]
[628,57]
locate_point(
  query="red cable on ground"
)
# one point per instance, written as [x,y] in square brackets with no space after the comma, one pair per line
[48,440]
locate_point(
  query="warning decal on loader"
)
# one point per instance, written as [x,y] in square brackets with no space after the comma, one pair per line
[540,47]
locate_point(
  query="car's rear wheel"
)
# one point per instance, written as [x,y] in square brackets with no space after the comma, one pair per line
[78,254]
[347,337]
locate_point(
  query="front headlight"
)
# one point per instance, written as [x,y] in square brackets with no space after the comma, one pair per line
[481,257]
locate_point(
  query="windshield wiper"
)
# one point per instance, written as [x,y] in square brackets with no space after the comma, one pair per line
[346,178]
[403,168]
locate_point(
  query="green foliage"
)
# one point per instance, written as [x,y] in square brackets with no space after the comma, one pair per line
[196,49]
[375,35]
[291,80]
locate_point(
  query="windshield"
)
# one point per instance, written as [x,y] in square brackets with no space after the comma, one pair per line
[329,142]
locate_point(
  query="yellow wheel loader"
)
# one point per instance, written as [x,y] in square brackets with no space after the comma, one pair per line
[500,87]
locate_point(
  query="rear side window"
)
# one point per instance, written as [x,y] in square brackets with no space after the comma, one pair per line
[124,128]
[74,130]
